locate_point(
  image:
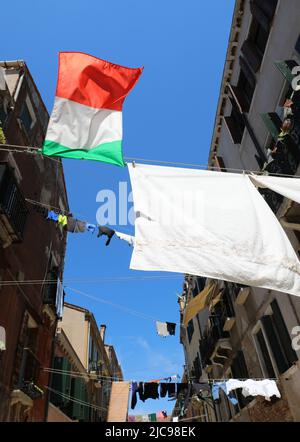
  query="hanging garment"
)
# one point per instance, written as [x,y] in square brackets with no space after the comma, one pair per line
[162,329]
[216,395]
[59,299]
[138,418]
[90,227]
[182,387]
[86,121]
[63,220]
[152,417]
[198,387]
[124,237]
[136,389]
[131,418]
[76,226]
[266,388]
[167,388]
[52,215]
[2,339]
[232,384]
[212,224]
[171,327]
[288,187]
[102,230]
[145,418]
[197,304]
[151,390]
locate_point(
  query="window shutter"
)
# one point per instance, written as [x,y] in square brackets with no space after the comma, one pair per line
[285,67]
[263,11]
[268,7]
[251,54]
[283,333]
[247,71]
[297,45]
[279,356]
[273,123]
[78,393]
[61,381]
[234,130]
[239,97]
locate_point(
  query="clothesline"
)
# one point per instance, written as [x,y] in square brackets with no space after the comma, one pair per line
[88,281]
[132,159]
[76,401]
[121,307]
[114,378]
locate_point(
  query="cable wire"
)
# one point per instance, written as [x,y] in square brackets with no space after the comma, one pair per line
[77,401]
[90,280]
[172,163]
[121,307]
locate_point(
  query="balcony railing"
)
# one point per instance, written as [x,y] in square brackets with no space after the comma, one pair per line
[12,204]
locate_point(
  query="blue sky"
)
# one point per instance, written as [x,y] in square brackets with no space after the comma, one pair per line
[168,116]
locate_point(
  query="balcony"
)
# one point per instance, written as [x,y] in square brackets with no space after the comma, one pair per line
[215,346]
[53,293]
[29,374]
[13,211]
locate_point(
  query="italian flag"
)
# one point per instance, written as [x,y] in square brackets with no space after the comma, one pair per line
[86,121]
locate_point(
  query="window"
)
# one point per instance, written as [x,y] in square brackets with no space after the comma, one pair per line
[199,286]
[264,354]
[247,87]
[240,371]
[273,342]
[27,116]
[190,329]
[236,125]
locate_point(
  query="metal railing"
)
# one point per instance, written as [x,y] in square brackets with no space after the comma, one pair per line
[12,202]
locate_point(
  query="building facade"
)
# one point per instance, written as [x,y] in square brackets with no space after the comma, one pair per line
[248,332]
[84,368]
[32,249]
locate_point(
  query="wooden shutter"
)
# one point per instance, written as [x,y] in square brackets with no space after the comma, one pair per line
[78,393]
[273,123]
[251,54]
[285,67]
[273,338]
[61,381]
[234,130]
[283,333]
[263,11]
[239,98]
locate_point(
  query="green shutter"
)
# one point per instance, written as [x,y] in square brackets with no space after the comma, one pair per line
[61,382]
[285,67]
[273,123]
[79,392]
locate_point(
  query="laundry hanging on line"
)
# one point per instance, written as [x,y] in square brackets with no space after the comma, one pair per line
[74,225]
[165,328]
[159,416]
[212,224]
[250,387]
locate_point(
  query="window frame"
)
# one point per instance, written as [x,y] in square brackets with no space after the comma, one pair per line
[259,327]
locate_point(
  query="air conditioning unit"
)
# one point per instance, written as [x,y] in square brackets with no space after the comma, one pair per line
[242,296]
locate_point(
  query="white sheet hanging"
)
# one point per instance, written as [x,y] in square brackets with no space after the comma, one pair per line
[288,187]
[209,224]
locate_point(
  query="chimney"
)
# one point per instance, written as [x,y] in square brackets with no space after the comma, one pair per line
[102,331]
